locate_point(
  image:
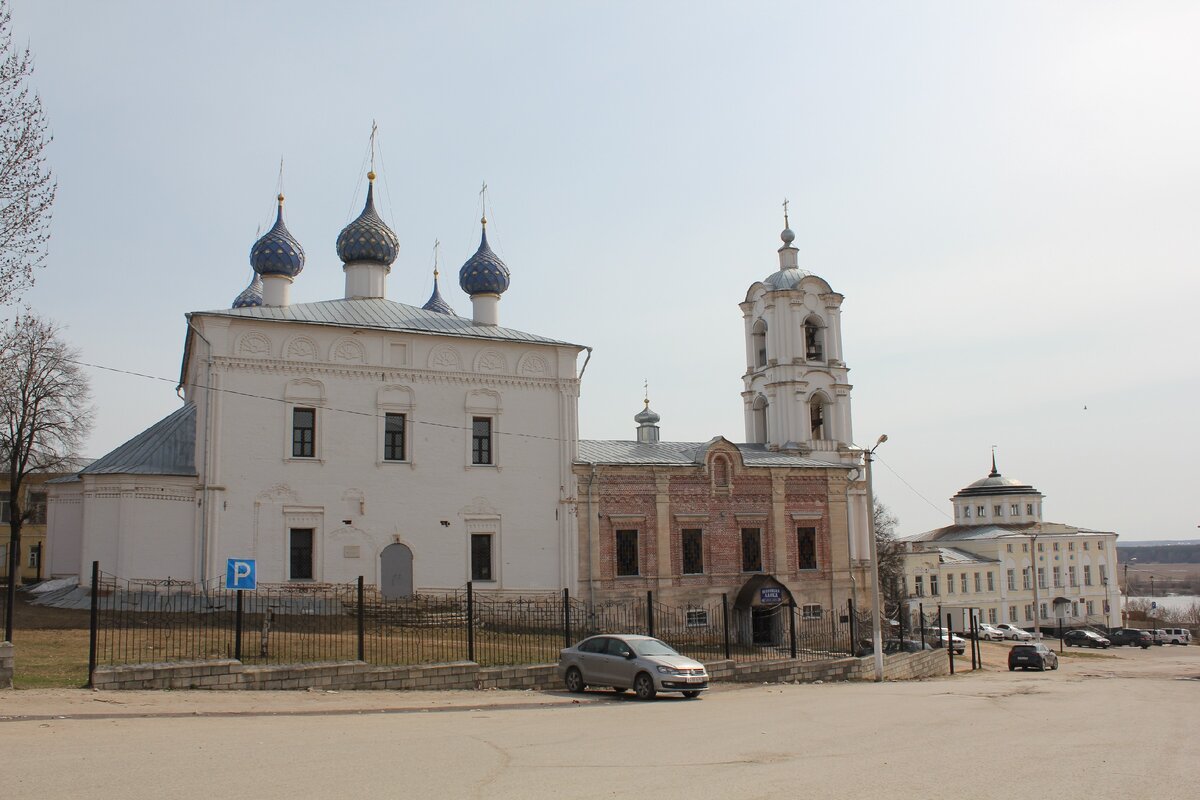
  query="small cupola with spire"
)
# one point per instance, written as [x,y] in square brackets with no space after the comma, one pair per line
[484,277]
[252,295]
[436,302]
[647,420]
[277,258]
[367,248]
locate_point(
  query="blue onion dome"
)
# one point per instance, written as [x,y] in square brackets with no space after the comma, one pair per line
[252,295]
[646,416]
[367,238]
[484,272]
[277,252]
[436,302]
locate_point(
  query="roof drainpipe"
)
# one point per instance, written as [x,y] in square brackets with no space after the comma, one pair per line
[207,447]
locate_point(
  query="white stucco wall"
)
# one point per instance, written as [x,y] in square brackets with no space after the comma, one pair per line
[64,529]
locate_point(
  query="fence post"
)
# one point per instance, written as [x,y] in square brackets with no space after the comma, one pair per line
[649,613]
[921,611]
[949,639]
[362,622]
[237,627]
[725,624]
[853,649]
[94,623]
[792,624]
[566,617]
[470,622]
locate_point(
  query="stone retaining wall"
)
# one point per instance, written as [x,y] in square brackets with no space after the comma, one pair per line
[231,674]
[7,660]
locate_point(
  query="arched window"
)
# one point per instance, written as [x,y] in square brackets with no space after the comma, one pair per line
[720,471]
[814,340]
[759,411]
[758,337]
[818,411]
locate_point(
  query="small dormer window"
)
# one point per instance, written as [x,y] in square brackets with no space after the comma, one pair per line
[814,346]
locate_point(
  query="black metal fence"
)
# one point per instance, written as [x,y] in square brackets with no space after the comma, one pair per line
[138,622]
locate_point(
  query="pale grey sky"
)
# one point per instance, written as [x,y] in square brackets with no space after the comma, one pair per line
[1005,193]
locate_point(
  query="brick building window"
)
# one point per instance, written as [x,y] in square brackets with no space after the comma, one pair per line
[806,548]
[697,618]
[751,550]
[693,552]
[627,553]
[811,611]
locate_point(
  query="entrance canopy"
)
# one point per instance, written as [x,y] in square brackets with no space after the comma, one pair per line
[763,590]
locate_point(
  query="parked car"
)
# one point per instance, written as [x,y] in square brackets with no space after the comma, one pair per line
[642,663]
[1082,638]
[1172,636]
[1033,655]
[990,632]
[1014,633]
[939,638]
[1130,636]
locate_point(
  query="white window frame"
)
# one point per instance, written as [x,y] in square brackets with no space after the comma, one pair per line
[395,399]
[304,393]
[483,403]
[487,524]
[304,517]
[811,611]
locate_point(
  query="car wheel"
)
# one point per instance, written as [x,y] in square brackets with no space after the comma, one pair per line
[574,681]
[1012,669]
[1042,668]
[643,684]
[691,693]
[1145,647]
[1055,665]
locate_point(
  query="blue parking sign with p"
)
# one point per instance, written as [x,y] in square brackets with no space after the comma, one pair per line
[241,574]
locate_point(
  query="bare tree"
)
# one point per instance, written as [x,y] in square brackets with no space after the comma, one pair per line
[45,414]
[27,187]
[891,559]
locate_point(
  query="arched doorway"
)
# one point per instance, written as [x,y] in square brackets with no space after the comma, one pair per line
[761,612]
[396,571]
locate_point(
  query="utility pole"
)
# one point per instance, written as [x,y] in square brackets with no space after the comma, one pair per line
[876,623]
[1038,572]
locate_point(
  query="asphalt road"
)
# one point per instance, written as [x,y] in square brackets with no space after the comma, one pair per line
[1124,724]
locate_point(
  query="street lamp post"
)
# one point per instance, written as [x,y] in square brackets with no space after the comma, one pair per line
[876,613]
[1038,572]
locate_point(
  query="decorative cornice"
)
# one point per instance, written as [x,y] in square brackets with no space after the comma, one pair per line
[375,373]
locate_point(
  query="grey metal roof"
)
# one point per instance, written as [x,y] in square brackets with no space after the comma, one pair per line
[168,447]
[604,451]
[381,314]
[952,555]
[965,533]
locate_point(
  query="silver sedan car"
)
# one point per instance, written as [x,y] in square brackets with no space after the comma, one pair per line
[641,663]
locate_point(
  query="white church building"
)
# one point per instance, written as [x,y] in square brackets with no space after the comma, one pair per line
[421,450]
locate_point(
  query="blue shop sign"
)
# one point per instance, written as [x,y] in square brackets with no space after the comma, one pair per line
[770,594]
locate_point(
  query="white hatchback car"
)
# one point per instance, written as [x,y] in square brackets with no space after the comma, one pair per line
[1014,633]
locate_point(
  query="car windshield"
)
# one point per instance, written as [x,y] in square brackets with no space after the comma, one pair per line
[652,647]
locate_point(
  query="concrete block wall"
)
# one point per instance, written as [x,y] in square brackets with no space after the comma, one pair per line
[7,664]
[905,666]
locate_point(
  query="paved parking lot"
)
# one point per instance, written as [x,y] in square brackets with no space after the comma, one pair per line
[1116,724]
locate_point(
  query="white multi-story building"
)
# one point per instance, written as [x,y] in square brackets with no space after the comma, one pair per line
[1004,562]
[355,436]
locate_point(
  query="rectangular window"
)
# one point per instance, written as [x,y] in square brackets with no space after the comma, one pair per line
[1087,574]
[1099,545]
[967,512]
[304,432]
[35,508]
[1070,545]
[1029,611]
[1015,510]
[1012,613]
[1012,580]
[1056,547]
[1085,545]
[300,554]
[627,553]
[1071,577]
[1008,547]
[1029,509]
[806,548]
[919,586]
[1074,609]
[811,611]
[1057,577]
[991,582]
[751,550]
[1042,612]
[949,584]
[1103,575]
[696,618]
[1024,547]
[1091,608]
[393,437]
[996,511]
[5,510]
[693,552]
[978,582]
[35,555]
[1041,547]
[481,440]
[1025,579]
[933,585]
[981,511]
[1041,577]
[963,582]
[992,616]
[481,557]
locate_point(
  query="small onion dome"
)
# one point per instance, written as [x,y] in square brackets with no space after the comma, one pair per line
[788,236]
[252,295]
[277,252]
[484,272]
[367,238]
[646,416]
[436,302]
